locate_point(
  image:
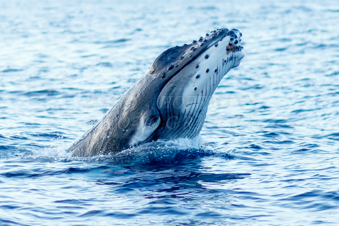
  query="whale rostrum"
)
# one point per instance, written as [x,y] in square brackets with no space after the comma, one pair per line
[170,101]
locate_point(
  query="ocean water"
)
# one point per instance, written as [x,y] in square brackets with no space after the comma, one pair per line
[269,150]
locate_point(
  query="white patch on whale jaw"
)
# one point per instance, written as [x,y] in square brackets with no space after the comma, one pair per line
[143,130]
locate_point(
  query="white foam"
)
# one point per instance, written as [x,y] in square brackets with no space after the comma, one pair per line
[161,151]
[56,152]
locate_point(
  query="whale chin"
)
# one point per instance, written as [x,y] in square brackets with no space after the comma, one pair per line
[240,56]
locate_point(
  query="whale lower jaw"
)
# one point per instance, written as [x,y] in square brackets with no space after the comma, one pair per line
[185,98]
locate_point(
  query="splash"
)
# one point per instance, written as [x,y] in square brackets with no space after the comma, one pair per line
[164,152]
[157,152]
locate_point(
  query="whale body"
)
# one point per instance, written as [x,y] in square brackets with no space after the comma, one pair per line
[170,101]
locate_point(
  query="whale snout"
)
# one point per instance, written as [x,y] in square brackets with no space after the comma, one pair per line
[234,46]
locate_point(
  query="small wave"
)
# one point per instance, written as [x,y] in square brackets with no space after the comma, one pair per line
[42,93]
[11,70]
[333,136]
[105,64]
[122,40]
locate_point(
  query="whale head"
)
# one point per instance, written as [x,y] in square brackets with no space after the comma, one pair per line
[184,79]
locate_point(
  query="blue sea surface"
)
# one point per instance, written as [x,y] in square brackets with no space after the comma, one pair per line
[268,153]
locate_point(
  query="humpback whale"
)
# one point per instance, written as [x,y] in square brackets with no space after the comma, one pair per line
[171,100]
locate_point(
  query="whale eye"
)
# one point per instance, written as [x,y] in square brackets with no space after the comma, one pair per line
[151,120]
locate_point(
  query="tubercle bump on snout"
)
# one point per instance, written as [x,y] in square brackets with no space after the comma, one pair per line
[235,41]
